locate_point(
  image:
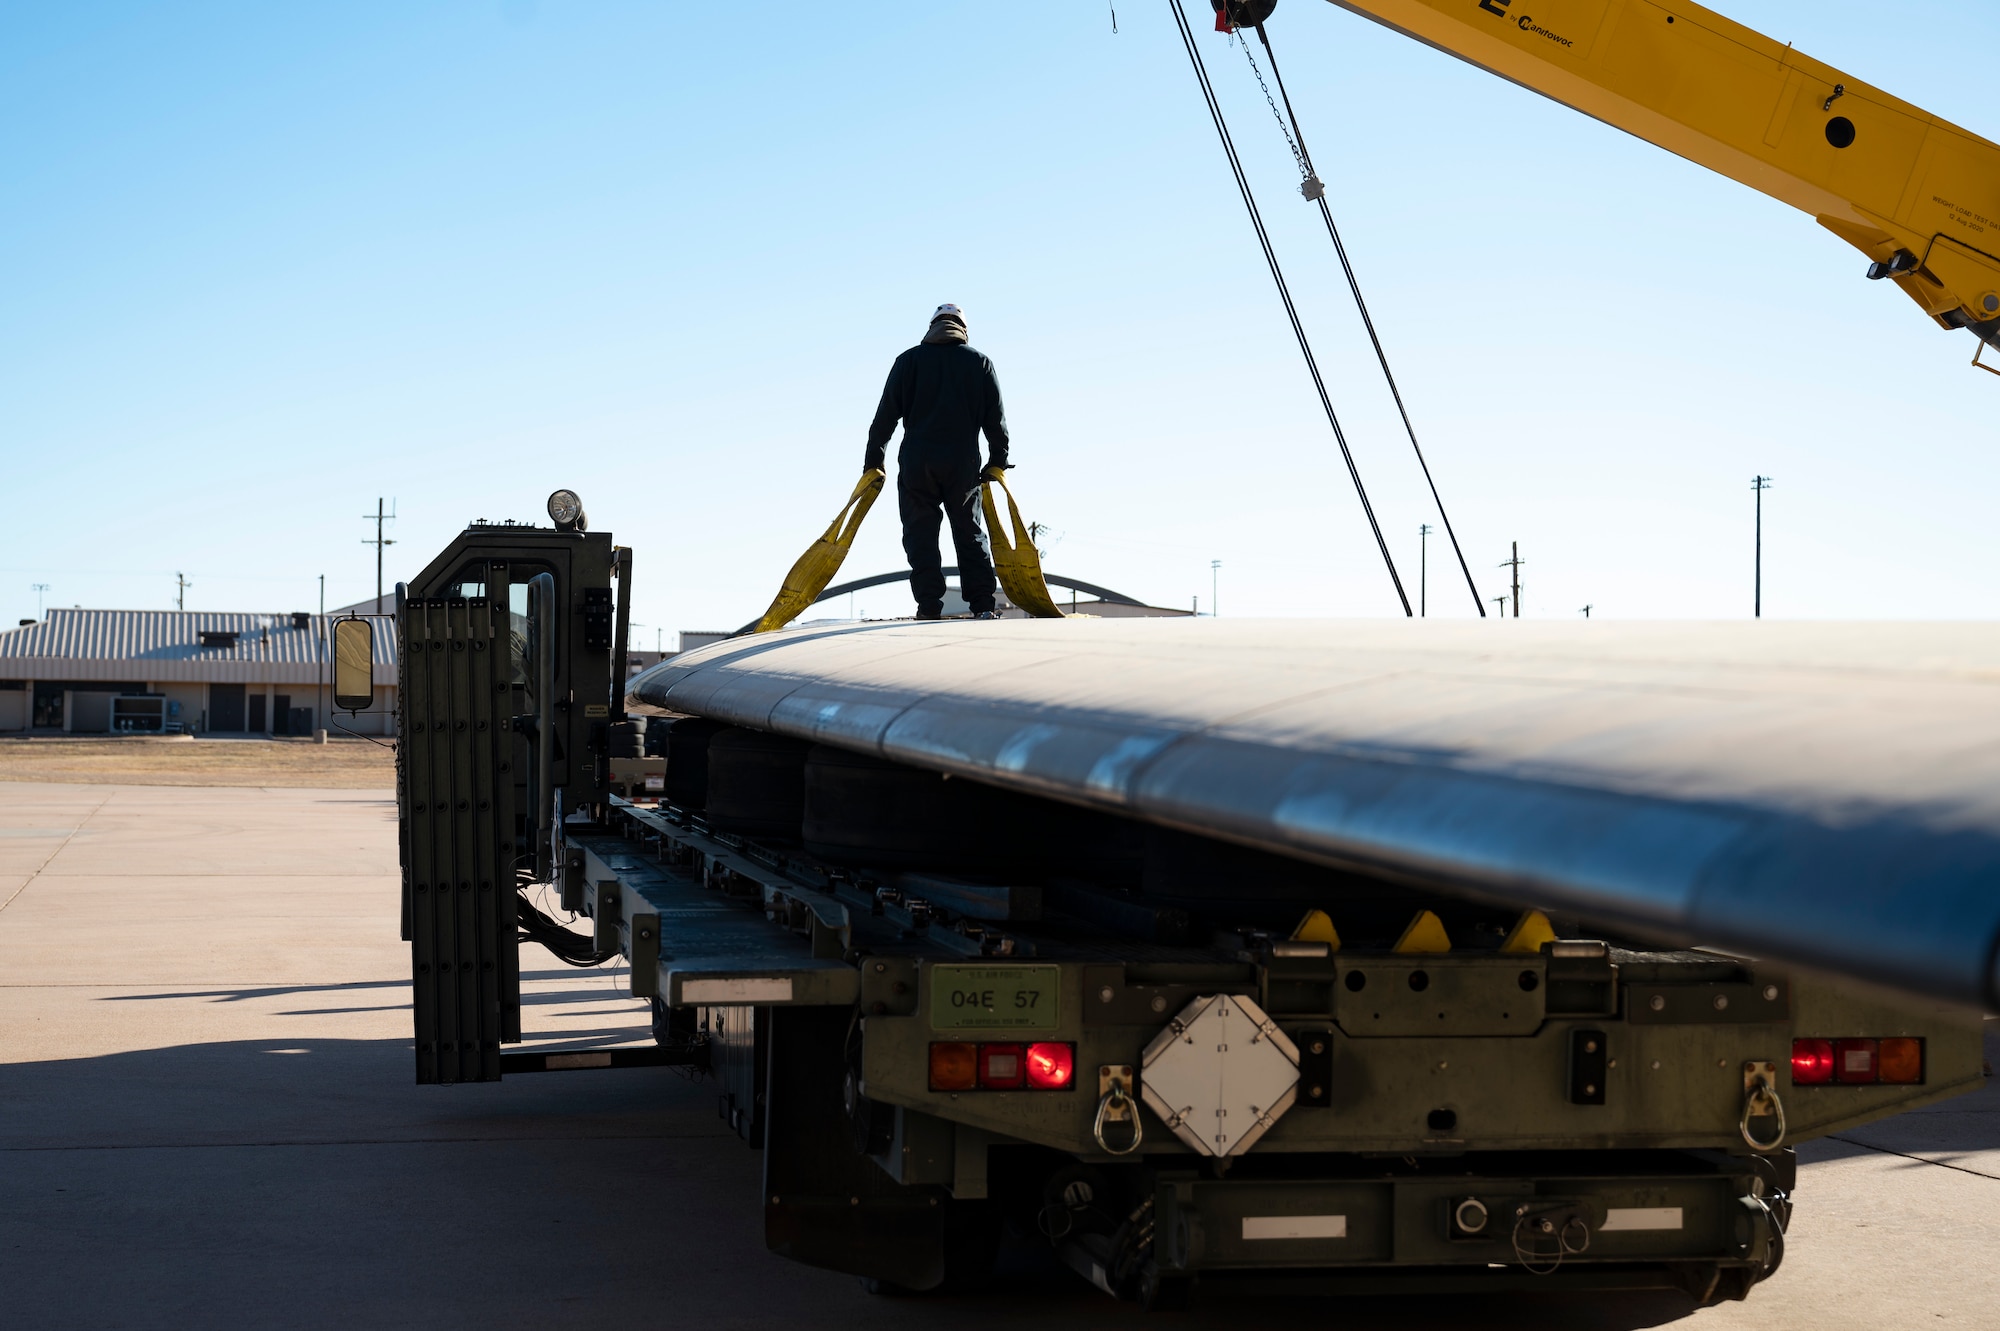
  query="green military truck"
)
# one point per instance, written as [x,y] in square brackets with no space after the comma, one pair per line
[974,935]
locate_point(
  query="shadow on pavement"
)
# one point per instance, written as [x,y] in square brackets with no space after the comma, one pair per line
[310,1183]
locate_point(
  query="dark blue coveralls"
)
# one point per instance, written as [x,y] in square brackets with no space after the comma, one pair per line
[945,394]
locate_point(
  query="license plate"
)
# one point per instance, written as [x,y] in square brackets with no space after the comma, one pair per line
[995,998]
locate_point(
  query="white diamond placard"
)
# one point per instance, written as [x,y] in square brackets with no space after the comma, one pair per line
[1220,1074]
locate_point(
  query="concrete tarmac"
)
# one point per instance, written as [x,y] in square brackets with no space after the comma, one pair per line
[207,1120]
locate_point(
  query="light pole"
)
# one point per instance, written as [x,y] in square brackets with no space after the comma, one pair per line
[1423,568]
[1214,587]
[1760,484]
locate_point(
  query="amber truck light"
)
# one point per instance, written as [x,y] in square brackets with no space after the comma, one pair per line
[1901,1061]
[999,1067]
[954,1066]
[1854,1061]
[1051,1066]
[1812,1062]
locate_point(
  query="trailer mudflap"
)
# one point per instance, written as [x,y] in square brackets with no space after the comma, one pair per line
[828,1205]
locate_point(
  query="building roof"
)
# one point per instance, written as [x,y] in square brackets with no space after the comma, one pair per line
[167,646]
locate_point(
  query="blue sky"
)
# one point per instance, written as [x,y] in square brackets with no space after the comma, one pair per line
[265,263]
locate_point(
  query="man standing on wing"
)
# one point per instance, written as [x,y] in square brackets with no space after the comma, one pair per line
[945,394]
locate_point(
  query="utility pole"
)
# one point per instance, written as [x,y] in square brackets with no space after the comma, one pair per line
[1500,607]
[1423,568]
[319,656]
[379,541]
[1760,484]
[40,587]
[1586,612]
[181,586]
[1515,564]
[1214,587]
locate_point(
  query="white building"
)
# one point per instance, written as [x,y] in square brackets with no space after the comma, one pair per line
[201,672]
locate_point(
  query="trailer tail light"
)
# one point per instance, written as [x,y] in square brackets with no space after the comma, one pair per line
[954,1066]
[1051,1066]
[1901,1061]
[1000,1067]
[960,1065]
[1897,1061]
[1854,1061]
[1812,1062]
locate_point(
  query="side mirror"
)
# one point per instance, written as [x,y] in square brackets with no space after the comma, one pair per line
[353,664]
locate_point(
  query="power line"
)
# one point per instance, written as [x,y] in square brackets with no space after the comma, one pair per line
[1285,294]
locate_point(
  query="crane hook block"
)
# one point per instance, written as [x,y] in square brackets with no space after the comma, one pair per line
[1233,14]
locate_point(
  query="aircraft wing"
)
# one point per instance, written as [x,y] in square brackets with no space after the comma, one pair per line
[1828,794]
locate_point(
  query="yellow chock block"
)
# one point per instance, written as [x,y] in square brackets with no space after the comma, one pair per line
[1529,933]
[1317,927]
[1425,934]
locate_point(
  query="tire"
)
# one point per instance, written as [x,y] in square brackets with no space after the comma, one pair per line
[756,784]
[686,746]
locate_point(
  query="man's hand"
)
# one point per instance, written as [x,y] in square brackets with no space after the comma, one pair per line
[994,473]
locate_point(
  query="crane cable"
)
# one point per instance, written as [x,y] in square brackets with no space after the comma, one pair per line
[1313,189]
[1285,294]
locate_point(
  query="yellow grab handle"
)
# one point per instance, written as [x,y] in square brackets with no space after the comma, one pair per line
[823,558]
[1015,561]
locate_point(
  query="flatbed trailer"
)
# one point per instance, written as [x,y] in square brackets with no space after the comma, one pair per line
[1174,1057]
[1509,1117]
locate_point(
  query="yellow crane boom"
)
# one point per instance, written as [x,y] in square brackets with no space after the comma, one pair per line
[1918,195]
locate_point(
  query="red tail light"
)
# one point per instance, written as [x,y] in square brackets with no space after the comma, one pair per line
[1854,1061]
[1051,1067]
[1812,1062]
[999,1067]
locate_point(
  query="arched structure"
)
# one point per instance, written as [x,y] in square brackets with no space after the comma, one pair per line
[951,571]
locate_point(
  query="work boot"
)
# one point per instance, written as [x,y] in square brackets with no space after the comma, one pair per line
[930,612]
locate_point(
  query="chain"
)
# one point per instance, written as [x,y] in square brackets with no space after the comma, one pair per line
[1298,153]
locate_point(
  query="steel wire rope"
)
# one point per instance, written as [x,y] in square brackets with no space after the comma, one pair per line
[1285,294]
[1295,139]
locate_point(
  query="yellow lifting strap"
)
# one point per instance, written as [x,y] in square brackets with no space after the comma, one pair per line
[1015,561]
[823,557]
